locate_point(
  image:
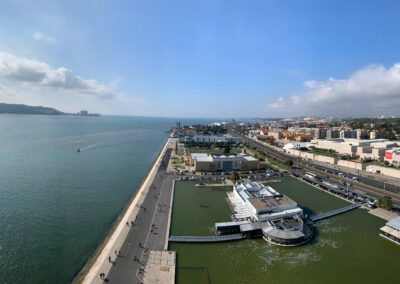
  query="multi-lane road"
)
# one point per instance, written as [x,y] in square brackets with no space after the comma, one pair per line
[147,232]
[374,187]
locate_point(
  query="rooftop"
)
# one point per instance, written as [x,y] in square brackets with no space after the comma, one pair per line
[269,203]
[207,157]
[394,224]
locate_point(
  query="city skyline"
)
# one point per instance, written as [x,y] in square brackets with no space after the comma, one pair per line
[202,59]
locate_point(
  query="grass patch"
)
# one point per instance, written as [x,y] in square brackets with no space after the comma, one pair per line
[320,152]
[283,166]
[270,166]
[389,167]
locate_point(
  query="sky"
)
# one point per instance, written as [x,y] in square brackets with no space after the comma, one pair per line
[205,58]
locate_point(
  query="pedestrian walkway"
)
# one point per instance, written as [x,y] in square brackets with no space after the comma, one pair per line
[333,212]
[205,239]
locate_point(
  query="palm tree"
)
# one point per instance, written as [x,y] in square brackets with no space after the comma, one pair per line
[235,177]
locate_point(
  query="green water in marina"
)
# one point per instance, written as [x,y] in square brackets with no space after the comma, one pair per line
[346,248]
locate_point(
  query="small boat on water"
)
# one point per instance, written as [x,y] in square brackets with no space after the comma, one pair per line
[78,150]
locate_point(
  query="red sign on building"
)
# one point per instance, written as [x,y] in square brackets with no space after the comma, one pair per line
[388,155]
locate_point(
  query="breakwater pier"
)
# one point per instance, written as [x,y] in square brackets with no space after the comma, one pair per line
[142,227]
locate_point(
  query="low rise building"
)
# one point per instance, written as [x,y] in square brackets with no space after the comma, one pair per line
[393,156]
[391,230]
[276,134]
[295,145]
[303,137]
[365,149]
[263,138]
[211,139]
[221,162]
[263,203]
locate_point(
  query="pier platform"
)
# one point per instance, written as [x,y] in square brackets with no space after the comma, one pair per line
[160,268]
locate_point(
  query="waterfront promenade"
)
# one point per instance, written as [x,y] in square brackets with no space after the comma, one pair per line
[143,227]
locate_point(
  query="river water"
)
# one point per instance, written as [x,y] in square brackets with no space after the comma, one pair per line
[56,205]
[346,248]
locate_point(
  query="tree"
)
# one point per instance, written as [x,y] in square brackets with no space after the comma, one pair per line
[385,203]
[227,149]
[235,177]
[271,140]
[289,163]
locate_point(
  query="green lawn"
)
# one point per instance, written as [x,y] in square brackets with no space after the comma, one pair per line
[321,152]
[283,166]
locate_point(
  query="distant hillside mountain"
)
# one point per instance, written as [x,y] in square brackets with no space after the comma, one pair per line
[24,109]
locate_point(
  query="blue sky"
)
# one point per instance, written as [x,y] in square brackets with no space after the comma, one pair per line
[202,58]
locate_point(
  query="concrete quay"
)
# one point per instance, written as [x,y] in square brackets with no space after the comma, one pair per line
[144,226]
[160,268]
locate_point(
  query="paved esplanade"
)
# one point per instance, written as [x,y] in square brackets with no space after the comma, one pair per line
[148,231]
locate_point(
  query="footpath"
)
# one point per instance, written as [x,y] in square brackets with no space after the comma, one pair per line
[101,263]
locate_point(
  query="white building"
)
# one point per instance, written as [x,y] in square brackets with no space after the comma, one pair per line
[295,145]
[373,149]
[391,230]
[222,162]
[262,203]
[212,139]
[393,156]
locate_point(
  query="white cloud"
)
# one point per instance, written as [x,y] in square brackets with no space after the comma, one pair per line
[372,90]
[42,37]
[42,75]
[6,91]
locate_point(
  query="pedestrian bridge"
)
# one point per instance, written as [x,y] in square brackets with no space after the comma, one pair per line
[334,212]
[205,239]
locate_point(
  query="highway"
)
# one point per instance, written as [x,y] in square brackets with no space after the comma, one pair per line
[376,189]
[147,232]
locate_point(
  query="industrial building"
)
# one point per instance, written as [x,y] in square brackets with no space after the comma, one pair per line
[221,162]
[391,230]
[393,156]
[211,139]
[373,149]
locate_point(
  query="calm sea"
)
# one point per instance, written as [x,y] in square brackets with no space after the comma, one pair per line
[56,205]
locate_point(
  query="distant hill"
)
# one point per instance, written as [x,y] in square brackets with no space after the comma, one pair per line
[24,109]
